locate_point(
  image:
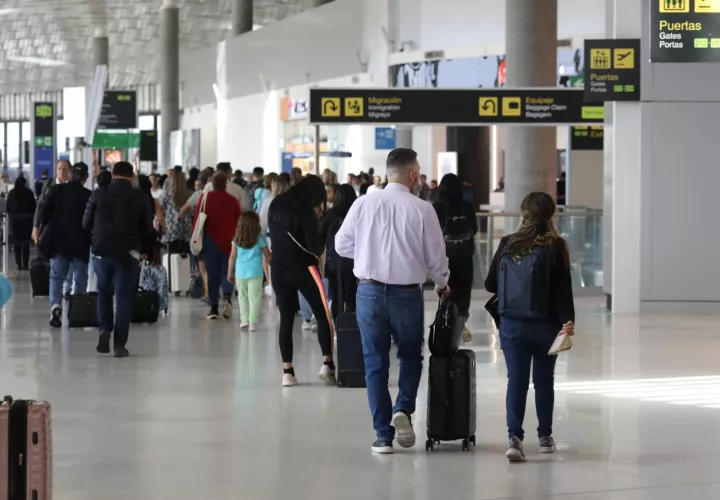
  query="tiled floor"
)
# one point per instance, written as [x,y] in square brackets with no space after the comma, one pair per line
[198,413]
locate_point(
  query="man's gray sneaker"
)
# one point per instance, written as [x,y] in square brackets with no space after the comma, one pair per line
[515,453]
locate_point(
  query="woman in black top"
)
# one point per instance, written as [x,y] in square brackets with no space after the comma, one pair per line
[296,248]
[526,341]
[329,226]
[21,209]
[459,225]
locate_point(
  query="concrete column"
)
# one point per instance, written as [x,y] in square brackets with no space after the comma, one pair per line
[242,16]
[531,51]
[169,74]
[318,3]
[101,49]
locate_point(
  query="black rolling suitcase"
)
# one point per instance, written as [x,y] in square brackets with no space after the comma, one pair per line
[451,399]
[82,310]
[350,358]
[145,307]
[40,277]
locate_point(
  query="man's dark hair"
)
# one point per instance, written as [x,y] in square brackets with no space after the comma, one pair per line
[401,157]
[238,174]
[123,169]
[224,167]
[423,176]
[219,181]
[80,172]
[259,171]
[45,172]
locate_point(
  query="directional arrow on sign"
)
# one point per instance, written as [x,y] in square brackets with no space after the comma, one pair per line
[490,104]
[331,105]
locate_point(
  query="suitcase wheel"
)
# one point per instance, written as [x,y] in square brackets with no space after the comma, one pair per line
[341,382]
[177,294]
[472,440]
[429,445]
[465,445]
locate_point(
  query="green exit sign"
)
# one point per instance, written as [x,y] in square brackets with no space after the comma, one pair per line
[44,141]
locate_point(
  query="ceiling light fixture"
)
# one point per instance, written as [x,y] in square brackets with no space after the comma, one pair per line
[7,12]
[40,61]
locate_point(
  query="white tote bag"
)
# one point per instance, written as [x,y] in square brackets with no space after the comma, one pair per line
[196,240]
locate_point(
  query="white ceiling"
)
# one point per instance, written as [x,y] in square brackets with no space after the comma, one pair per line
[47,44]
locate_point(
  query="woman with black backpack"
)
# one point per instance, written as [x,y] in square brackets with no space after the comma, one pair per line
[530,275]
[459,225]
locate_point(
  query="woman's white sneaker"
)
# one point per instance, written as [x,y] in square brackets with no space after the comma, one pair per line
[289,380]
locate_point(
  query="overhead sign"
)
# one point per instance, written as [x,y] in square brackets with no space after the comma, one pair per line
[43,129]
[385,138]
[119,110]
[612,70]
[685,31]
[536,106]
[585,138]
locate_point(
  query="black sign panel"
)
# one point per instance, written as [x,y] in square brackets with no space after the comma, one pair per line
[44,119]
[119,110]
[587,138]
[148,145]
[466,106]
[685,30]
[612,70]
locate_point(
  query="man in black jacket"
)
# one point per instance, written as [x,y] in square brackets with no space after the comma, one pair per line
[68,243]
[118,217]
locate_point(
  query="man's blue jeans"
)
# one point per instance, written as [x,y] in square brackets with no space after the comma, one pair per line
[60,273]
[216,263]
[116,277]
[525,343]
[385,313]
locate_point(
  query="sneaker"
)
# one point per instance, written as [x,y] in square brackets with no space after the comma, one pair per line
[328,375]
[253,327]
[56,316]
[121,352]
[103,346]
[515,453]
[289,380]
[404,432]
[227,308]
[244,324]
[383,447]
[213,315]
[467,336]
[547,444]
[307,326]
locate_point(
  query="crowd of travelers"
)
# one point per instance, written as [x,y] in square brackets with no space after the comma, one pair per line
[317,247]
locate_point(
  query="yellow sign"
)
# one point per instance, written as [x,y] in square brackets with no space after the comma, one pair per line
[354,107]
[330,106]
[43,111]
[512,106]
[624,58]
[593,112]
[711,6]
[675,5]
[600,59]
[488,106]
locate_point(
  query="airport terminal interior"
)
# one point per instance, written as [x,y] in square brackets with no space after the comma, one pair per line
[606,105]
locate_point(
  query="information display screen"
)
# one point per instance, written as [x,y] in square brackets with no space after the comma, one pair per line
[119,110]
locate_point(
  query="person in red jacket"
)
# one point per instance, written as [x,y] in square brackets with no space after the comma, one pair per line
[223,212]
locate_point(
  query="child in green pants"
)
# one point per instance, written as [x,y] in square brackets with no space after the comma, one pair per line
[248,264]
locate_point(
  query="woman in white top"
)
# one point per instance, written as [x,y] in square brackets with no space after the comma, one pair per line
[156,190]
[278,187]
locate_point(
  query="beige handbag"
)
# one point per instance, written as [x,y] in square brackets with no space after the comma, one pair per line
[563,342]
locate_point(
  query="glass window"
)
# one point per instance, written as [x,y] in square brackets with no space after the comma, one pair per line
[13,144]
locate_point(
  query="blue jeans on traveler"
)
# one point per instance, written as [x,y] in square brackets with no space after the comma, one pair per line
[216,263]
[62,270]
[116,277]
[385,313]
[524,343]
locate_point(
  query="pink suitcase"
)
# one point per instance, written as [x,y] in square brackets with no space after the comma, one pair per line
[25,450]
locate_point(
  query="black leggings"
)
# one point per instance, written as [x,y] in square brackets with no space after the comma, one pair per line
[460,283]
[286,285]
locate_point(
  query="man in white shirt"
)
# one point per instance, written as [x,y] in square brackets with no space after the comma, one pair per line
[396,241]
[232,188]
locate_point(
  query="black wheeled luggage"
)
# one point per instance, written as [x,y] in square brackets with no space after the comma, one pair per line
[40,277]
[83,310]
[452,412]
[350,358]
[145,307]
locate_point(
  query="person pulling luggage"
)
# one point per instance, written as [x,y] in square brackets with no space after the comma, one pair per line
[392,261]
[68,243]
[530,273]
[119,219]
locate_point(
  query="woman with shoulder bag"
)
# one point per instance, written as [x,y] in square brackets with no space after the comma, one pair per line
[459,225]
[534,306]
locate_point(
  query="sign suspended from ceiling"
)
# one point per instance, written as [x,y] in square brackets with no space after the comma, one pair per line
[537,106]
[119,110]
[612,70]
[685,31]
